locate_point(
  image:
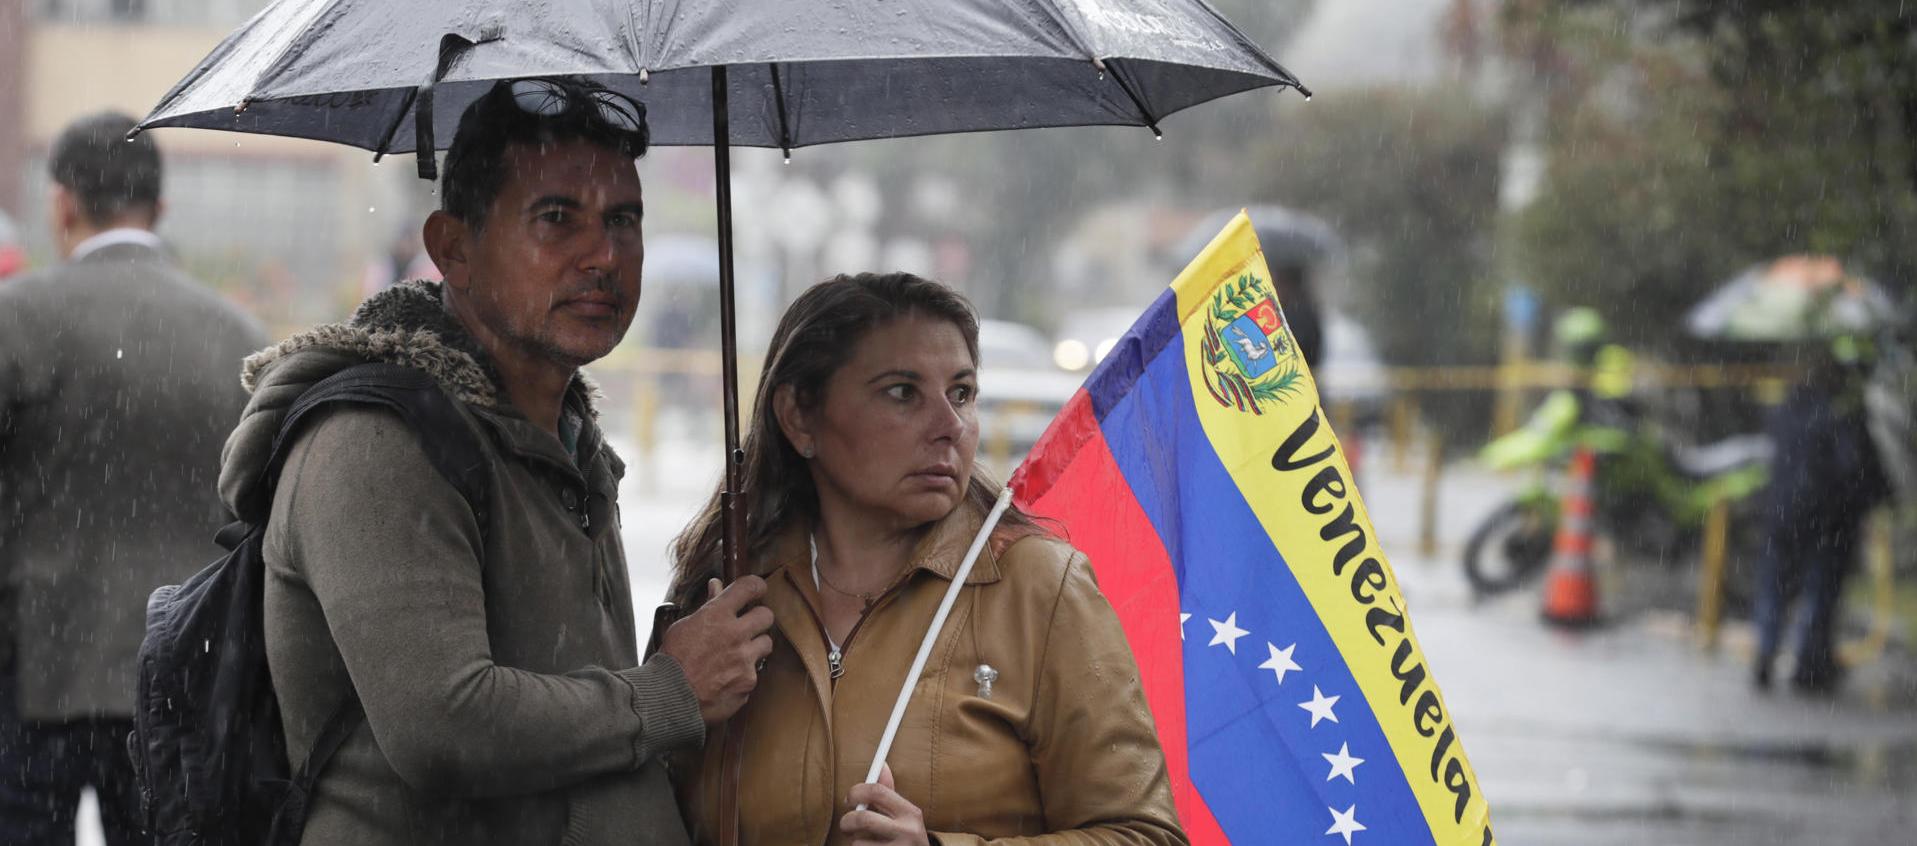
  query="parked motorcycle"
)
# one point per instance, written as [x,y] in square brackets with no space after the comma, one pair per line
[1650,500]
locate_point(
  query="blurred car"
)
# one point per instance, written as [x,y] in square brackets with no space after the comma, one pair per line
[1086,336]
[1020,390]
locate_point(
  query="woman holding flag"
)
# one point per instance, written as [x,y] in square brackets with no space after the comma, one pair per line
[1028,719]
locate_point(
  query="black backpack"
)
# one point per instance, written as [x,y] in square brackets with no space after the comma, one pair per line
[207,743]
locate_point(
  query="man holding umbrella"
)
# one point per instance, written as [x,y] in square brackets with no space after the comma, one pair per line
[490,646]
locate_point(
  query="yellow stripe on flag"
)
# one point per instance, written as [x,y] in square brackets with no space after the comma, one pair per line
[1260,410]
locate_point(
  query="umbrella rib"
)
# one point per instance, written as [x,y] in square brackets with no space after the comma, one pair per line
[1150,122]
[387,142]
[778,99]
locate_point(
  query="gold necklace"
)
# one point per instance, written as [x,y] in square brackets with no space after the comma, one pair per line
[818,578]
[862,597]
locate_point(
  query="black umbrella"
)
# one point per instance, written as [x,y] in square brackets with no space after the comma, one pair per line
[792,73]
[801,71]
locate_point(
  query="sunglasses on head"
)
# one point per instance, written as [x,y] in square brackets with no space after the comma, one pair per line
[548,98]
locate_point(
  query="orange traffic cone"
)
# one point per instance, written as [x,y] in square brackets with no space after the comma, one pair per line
[1570,588]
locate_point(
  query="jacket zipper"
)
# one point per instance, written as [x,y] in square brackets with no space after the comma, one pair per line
[835,670]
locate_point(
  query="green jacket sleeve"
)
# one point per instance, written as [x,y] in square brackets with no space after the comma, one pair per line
[1101,772]
[392,553]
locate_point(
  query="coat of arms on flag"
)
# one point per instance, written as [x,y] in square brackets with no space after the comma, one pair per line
[1197,472]
[1249,357]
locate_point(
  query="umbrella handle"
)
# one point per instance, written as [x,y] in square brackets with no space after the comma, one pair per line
[932,634]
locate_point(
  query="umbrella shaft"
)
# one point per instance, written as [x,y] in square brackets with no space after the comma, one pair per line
[731,506]
[732,536]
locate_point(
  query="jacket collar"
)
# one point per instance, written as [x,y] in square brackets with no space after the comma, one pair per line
[943,549]
[125,240]
[939,553]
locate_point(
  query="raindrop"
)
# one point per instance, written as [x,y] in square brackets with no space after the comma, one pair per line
[119,353]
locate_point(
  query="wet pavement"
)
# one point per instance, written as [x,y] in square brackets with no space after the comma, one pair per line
[1629,733]
[1624,734]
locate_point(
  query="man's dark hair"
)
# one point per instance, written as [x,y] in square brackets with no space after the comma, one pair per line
[476,163]
[106,172]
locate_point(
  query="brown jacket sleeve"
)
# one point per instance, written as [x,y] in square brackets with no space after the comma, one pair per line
[1101,772]
[392,552]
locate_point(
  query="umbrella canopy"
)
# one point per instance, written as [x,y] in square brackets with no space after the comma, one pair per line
[801,71]
[1793,298]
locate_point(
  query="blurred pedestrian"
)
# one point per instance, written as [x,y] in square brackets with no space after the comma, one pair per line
[863,500]
[1825,479]
[119,375]
[487,660]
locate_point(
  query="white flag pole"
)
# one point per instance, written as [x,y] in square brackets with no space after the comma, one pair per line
[932,634]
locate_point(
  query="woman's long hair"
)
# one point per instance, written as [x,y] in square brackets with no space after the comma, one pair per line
[815,338]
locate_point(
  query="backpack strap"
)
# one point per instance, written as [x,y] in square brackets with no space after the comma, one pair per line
[450,445]
[448,440]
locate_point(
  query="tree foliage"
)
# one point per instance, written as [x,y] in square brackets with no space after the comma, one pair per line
[1688,140]
[1410,179]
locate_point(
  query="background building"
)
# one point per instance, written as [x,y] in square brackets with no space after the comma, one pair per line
[283,227]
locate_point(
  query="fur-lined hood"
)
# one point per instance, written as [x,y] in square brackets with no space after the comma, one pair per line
[406,325]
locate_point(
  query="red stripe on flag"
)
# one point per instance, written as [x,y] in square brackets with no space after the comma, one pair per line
[1057,446]
[1077,482]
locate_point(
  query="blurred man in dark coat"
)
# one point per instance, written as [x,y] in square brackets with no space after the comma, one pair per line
[1825,479]
[119,379]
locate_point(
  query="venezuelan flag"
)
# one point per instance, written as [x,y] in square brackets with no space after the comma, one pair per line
[1197,471]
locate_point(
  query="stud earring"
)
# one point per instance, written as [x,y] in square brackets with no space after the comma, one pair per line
[808,452]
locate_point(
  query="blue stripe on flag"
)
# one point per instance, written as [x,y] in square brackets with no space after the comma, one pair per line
[1149,335]
[1255,756]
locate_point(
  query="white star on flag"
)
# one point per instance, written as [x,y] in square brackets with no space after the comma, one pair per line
[1280,661]
[1226,632]
[1342,764]
[1345,823]
[1320,706]
[1182,619]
